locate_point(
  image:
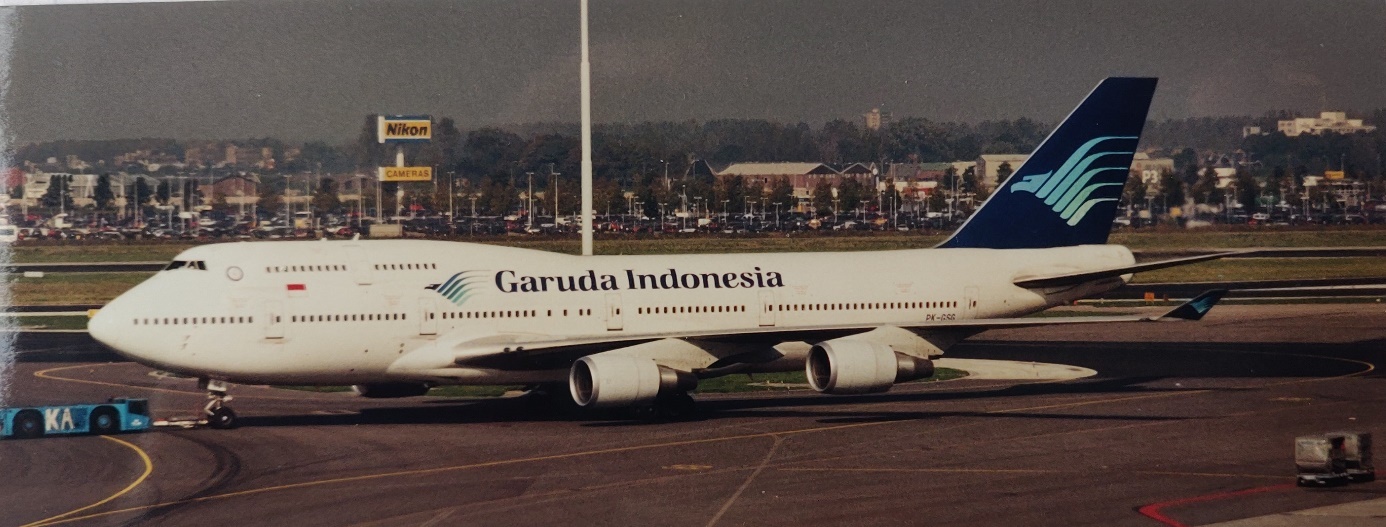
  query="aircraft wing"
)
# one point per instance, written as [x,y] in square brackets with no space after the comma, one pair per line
[539,351]
[1067,279]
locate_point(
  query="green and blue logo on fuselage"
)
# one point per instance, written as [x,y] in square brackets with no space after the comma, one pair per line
[461,286]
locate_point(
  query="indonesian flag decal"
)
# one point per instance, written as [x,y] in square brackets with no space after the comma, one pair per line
[297,289]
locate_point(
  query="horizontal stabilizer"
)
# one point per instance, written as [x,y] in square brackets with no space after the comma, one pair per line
[1068,279]
[1196,307]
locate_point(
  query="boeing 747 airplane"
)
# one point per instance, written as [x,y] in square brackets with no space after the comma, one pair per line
[397,317]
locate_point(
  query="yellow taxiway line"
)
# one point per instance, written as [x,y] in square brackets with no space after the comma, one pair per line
[148,469]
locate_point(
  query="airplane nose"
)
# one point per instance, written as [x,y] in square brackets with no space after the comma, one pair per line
[102,327]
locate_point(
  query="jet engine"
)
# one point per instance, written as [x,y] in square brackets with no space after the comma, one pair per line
[846,366]
[391,390]
[606,381]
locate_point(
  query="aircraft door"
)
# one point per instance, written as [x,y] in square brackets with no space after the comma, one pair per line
[274,319]
[428,315]
[970,299]
[767,307]
[614,320]
[360,268]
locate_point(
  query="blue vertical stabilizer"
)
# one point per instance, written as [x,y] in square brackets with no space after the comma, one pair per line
[1066,193]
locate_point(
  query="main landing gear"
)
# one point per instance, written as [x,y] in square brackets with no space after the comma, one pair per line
[677,406]
[218,414]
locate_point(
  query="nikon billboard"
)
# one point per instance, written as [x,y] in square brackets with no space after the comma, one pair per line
[404,174]
[404,128]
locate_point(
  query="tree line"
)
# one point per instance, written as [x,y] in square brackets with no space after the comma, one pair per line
[494,165]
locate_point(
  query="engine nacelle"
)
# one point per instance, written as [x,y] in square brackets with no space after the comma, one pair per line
[606,381]
[846,366]
[391,390]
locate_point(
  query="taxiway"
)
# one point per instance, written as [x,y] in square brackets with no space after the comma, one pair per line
[1191,420]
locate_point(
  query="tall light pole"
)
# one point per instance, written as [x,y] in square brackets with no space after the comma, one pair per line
[585,71]
[452,210]
[554,175]
[683,193]
[361,200]
[529,203]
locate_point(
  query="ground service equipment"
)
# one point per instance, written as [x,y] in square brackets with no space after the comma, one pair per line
[1357,453]
[113,416]
[1320,460]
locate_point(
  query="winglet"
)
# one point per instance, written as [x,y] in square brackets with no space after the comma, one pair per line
[1196,307]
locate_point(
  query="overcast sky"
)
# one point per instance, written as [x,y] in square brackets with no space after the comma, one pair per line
[311,70]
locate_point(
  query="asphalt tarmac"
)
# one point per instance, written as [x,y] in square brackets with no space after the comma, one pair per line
[1190,422]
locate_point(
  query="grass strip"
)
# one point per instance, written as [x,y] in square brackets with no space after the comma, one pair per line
[71,288]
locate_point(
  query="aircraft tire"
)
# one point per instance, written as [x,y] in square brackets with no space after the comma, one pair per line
[222,418]
[676,407]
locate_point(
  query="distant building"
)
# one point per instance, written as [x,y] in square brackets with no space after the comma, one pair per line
[1248,131]
[988,164]
[803,176]
[1226,176]
[351,188]
[75,163]
[856,171]
[204,154]
[1336,122]
[1151,168]
[83,189]
[36,185]
[249,156]
[918,172]
[237,190]
[876,119]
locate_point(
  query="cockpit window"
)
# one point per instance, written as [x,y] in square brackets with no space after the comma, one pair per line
[186,264]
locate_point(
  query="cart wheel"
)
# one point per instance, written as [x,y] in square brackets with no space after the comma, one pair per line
[28,424]
[105,420]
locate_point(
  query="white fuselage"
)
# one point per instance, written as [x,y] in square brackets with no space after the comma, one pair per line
[350,312]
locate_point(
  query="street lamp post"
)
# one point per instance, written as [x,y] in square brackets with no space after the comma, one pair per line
[555,197]
[529,204]
[472,224]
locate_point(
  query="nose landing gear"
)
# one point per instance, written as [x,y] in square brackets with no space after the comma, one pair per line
[219,415]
